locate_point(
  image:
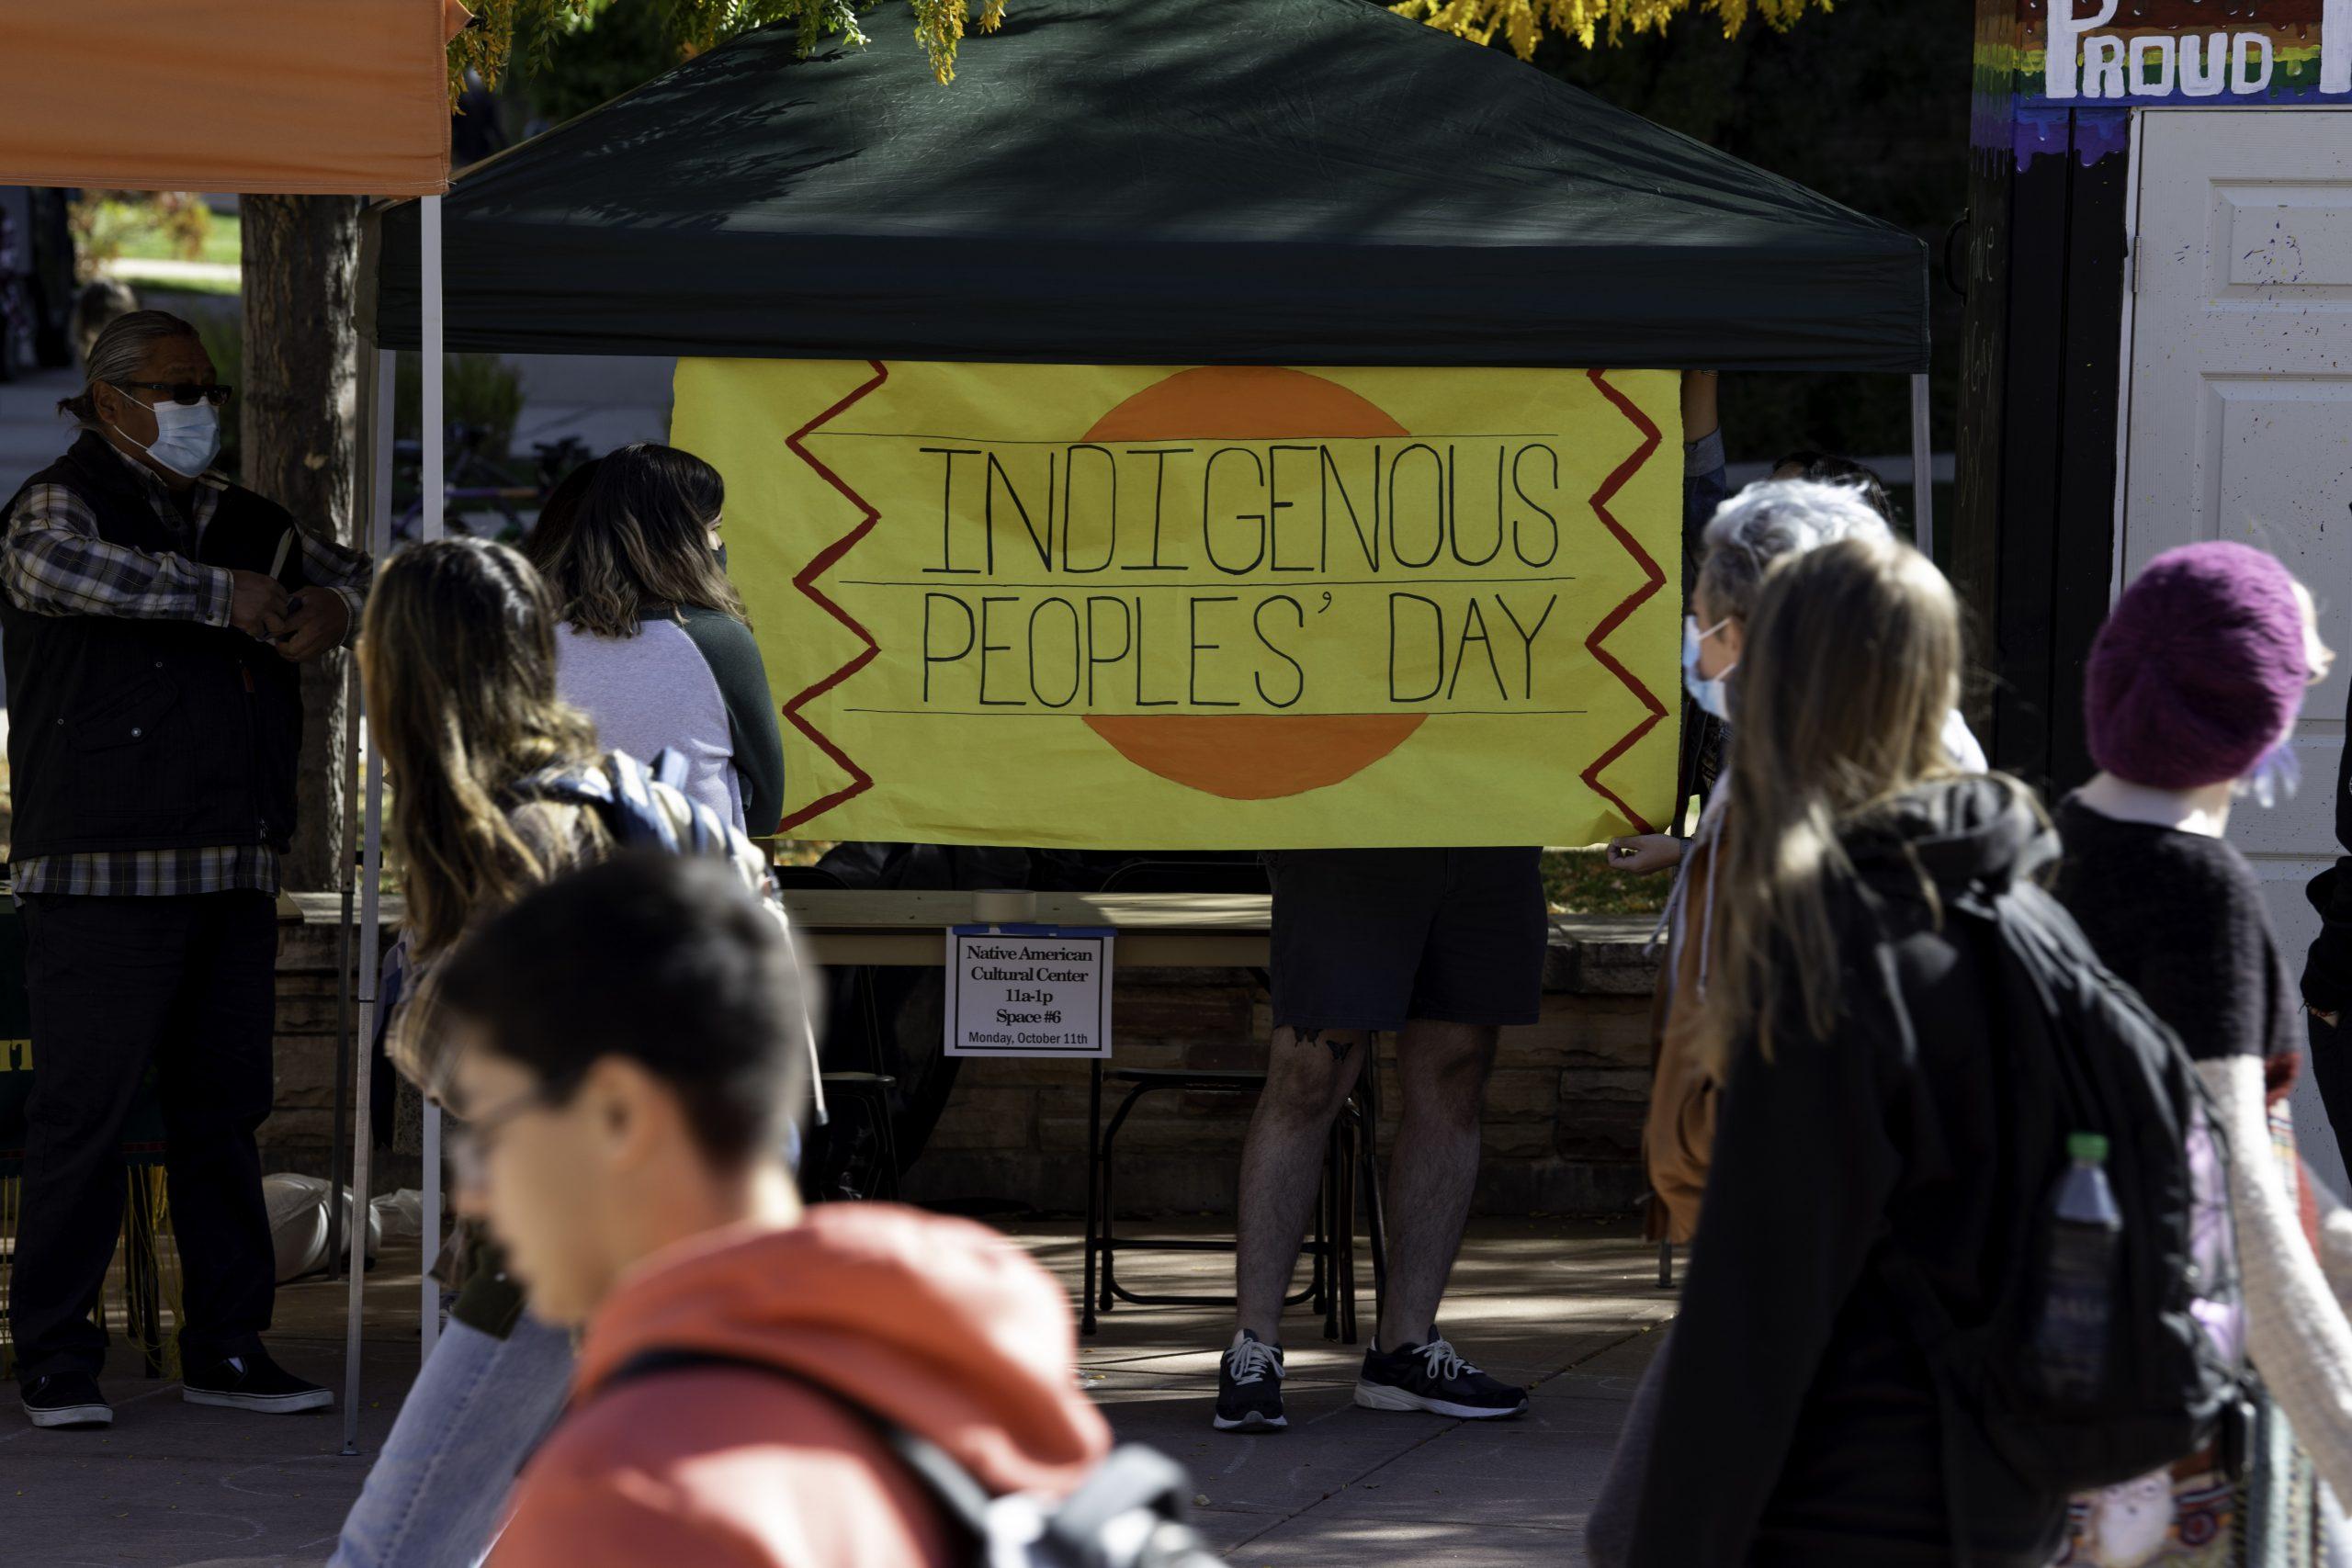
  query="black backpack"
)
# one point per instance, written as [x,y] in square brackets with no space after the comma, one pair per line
[1129,1513]
[2079,1050]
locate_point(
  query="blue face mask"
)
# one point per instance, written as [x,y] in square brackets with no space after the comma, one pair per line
[187,437]
[1711,693]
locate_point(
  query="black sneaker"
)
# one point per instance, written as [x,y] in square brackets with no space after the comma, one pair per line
[1250,1387]
[1432,1377]
[253,1382]
[67,1399]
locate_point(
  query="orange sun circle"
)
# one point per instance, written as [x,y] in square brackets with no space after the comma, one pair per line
[1250,756]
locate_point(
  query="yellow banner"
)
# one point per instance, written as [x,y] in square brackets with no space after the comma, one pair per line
[1153,607]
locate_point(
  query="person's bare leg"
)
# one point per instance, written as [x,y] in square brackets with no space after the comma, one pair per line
[1309,1075]
[1432,1171]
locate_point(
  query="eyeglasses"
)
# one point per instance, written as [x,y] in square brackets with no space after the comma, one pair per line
[188,394]
[470,1145]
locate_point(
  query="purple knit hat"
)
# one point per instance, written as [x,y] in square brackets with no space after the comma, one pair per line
[2200,669]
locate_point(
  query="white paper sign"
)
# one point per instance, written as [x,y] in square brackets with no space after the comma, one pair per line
[1028,992]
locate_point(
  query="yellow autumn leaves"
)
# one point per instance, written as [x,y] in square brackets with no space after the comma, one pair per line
[1523,22]
[504,26]
[939,28]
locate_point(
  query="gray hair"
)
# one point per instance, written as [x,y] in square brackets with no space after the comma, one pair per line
[119,353]
[1769,520]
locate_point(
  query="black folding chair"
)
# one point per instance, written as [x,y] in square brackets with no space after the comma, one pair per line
[1352,1148]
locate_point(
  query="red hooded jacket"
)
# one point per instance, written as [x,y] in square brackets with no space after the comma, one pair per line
[939,1326]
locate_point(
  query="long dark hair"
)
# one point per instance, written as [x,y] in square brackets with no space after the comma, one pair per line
[557,515]
[459,656]
[641,542]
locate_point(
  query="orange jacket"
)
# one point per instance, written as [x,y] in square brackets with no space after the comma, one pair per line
[940,1325]
[1678,1135]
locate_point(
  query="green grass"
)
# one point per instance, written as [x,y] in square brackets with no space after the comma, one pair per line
[224,245]
[143,283]
[1579,882]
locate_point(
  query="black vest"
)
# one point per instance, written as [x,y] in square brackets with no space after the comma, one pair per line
[151,735]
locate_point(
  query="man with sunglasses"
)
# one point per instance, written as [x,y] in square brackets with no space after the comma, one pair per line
[155,617]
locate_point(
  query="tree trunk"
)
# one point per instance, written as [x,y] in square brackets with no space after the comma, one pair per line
[300,431]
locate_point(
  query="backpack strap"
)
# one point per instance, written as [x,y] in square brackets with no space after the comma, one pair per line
[623,792]
[1133,1477]
[647,826]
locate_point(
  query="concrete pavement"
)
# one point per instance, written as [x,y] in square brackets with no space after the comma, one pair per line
[1568,1308]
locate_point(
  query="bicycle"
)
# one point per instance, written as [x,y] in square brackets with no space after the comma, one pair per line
[476,486]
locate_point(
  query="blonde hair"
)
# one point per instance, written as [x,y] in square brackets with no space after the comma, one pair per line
[458,651]
[1852,661]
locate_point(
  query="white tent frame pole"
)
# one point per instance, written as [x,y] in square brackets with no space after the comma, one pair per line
[379,369]
[436,499]
[1923,471]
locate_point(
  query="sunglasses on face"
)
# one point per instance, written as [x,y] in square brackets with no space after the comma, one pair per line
[188,394]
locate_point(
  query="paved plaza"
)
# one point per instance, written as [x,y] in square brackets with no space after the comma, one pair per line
[1568,1307]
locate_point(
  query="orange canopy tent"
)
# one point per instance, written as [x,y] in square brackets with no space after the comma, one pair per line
[342,97]
[345,98]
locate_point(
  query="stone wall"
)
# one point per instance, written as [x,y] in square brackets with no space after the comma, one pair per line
[1563,1117]
[298,1132]
[295,1136]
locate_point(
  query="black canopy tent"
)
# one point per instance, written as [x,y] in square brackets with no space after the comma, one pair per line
[1179,181]
[1185,182]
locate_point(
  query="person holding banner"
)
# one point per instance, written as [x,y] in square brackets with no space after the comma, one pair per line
[154,613]
[1442,948]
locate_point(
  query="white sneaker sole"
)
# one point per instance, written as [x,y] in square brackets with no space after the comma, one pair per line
[71,1416]
[261,1403]
[1381,1396]
[1254,1422]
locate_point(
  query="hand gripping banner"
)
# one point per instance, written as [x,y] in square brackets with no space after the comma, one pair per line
[1161,607]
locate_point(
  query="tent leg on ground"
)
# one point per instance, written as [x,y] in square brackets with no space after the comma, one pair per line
[379,378]
[430,481]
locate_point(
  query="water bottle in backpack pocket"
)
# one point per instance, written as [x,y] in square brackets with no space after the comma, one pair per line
[2076,1311]
[2106,1344]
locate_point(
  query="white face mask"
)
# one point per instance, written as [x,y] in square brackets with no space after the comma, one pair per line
[188,436]
[1710,693]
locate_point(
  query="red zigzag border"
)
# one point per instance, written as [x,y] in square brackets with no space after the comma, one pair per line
[806,581]
[1651,437]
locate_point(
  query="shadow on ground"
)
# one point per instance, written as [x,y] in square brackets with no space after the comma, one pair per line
[1566,1308]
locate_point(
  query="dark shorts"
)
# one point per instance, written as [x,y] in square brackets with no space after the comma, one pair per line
[1367,938]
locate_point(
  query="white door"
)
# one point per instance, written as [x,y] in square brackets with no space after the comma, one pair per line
[2239,423]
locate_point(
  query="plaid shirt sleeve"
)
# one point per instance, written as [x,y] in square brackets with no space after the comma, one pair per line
[53,563]
[348,571]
